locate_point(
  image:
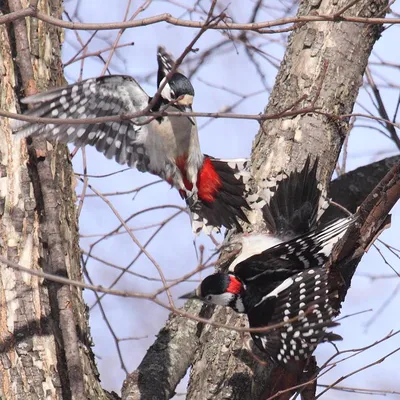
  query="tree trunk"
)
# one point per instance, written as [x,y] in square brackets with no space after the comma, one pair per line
[326,62]
[46,346]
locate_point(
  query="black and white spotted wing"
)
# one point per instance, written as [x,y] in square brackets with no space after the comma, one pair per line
[285,259]
[96,97]
[306,304]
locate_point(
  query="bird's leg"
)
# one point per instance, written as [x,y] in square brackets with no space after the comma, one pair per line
[176,179]
[192,195]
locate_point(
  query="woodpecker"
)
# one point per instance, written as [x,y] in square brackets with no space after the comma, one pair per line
[267,270]
[215,190]
[303,305]
[284,282]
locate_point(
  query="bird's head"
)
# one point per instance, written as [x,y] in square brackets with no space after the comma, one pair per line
[220,289]
[178,89]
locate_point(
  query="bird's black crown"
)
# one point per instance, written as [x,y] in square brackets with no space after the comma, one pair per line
[180,85]
[214,284]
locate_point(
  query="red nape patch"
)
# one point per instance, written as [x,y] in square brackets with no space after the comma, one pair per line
[208,181]
[235,286]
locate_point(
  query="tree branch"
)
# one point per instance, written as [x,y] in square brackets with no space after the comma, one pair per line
[372,216]
[260,27]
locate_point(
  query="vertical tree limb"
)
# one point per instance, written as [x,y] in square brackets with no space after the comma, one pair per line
[167,360]
[326,62]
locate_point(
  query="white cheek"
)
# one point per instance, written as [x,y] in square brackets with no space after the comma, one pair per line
[222,299]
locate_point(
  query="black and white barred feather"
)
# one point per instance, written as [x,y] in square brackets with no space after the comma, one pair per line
[305,305]
[279,262]
[96,97]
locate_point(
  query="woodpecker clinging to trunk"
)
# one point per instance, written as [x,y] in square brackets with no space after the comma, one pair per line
[215,190]
[280,274]
[283,282]
[303,304]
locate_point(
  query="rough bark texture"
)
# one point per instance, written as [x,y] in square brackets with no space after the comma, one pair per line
[326,62]
[39,230]
[167,360]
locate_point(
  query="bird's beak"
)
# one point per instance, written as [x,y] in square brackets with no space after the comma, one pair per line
[186,108]
[189,109]
[190,295]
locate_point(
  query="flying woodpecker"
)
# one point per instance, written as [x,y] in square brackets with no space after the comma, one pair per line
[215,190]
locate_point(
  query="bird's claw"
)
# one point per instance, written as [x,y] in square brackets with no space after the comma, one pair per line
[192,196]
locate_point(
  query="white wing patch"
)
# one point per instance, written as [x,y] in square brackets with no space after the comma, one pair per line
[254,244]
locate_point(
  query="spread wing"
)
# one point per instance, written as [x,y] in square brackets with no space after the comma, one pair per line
[283,260]
[95,97]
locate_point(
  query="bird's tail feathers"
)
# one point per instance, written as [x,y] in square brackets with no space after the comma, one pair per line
[223,195]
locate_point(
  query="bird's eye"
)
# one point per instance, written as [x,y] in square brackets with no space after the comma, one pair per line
[209,297]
